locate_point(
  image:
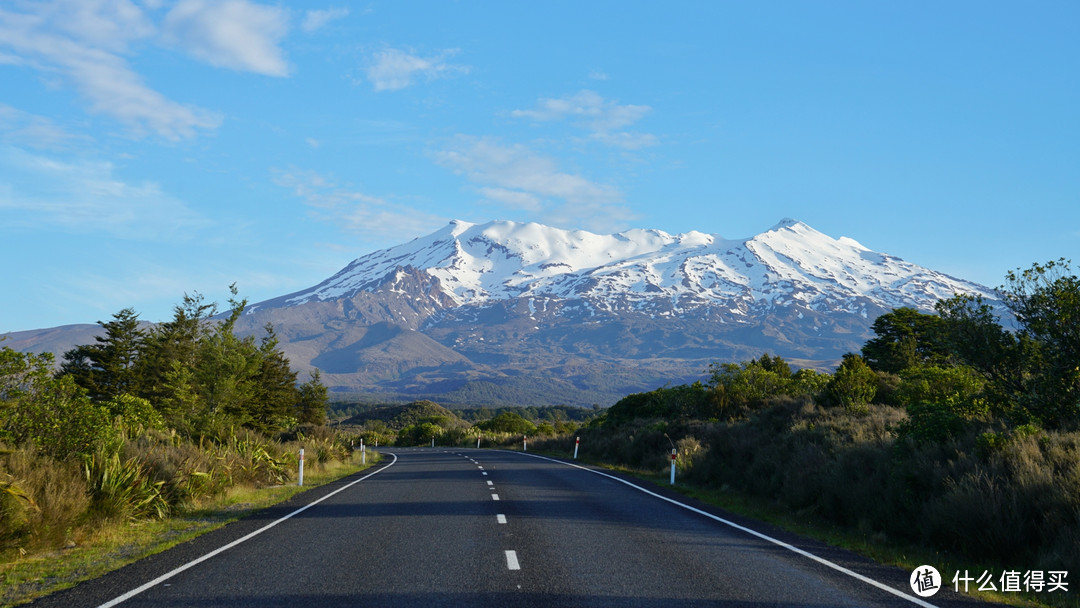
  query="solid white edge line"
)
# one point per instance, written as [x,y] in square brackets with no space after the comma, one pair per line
[199,560]
[512,561]
[765,537]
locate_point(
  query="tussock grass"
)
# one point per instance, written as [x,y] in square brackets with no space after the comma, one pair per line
[61,523]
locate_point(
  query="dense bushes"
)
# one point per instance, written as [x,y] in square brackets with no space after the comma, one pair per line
[147,421]
[1014,501]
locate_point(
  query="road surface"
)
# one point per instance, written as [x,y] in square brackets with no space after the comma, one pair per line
[459,527]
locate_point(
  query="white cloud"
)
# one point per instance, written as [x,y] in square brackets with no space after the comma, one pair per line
[26,129]
[372,217]
[87,197]
[604,119]
[625,139]
[487,162]
[234,34]
[393,69]
[83,43]
[317,19]
[512,198]
[515,176]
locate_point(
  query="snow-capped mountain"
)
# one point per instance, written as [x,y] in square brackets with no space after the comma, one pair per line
[503,312]
[501,309]
[790,264]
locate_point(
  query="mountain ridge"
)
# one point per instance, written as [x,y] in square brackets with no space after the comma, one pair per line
[522,310]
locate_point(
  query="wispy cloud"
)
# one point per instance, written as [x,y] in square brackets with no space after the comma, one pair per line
[27,129]
[234,34]
[487,162]
[81,196]
[518,177]
[317,19]
[372,217]
[604,119]
[85,43]
[395,69]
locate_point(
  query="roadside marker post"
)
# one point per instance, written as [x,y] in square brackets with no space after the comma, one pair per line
[525,443]
[363,452]
[300,478]
[478,441]
[577,442]
[674,453]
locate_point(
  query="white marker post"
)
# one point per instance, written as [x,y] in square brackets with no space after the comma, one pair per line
[300,479]
[674,453]
[432,442]
[577,442]
[524,443]
[363,452]
[478,441]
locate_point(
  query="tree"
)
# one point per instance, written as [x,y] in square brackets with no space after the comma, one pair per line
[904,338]
[1046,301]
[973,336]
[750,382]
[508,422]
[53,413]
[172,350]
[419,434]
[276,394]
[1034,371]
[311,407]
[854,384]
[109,367]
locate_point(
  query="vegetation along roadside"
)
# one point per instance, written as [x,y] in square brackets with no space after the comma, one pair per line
[147,438]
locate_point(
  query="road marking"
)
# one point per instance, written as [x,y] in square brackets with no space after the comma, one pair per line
[484,473]
[512,560]
[490,483]
[792,548]
[164,577]
[500,518]
[494,497]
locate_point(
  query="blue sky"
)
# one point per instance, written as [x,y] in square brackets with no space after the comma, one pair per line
[152,148]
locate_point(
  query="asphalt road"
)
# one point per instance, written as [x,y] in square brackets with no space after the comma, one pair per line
[458,527]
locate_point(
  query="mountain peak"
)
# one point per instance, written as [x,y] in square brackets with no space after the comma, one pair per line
[787,222]
[790,264]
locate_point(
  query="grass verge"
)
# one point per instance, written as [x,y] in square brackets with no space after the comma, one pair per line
[117,544]
[871,546]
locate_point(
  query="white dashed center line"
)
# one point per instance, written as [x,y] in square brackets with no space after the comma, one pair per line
[494,497]
[500,518]
[512,560]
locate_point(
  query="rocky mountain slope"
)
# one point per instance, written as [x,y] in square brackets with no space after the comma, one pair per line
[503,312]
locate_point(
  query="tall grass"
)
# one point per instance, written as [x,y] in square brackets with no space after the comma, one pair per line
[47,503]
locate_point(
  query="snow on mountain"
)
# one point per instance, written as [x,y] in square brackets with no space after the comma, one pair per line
[790,264]
[506,313]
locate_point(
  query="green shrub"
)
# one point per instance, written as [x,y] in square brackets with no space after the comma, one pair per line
[508,422]
[853,386]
